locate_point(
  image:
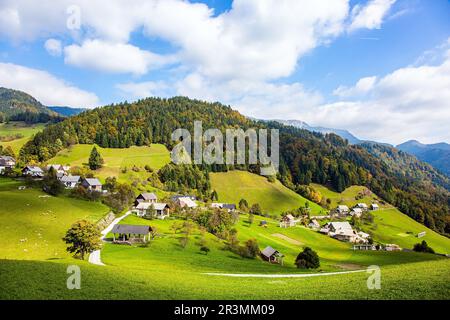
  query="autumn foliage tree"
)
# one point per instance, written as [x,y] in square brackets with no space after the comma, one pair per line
[82,238]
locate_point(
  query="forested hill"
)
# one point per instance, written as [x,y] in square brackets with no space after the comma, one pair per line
[305,156]
[18,105]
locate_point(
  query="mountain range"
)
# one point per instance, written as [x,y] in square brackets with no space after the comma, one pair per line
[437,154]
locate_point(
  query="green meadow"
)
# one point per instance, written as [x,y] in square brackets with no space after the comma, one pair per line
[273,197]
[390,225]
[348,196]
[36,267]
[13,128]
[32,223]
[116,160]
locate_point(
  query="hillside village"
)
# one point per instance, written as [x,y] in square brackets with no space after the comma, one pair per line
[337,223]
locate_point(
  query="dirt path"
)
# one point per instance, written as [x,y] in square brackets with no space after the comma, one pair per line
[94,257]
[295,275]
[286,238]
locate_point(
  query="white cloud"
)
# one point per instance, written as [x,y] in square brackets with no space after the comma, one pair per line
[363,86]
[411,102]
[113,57]
[371,15]
[53,47]
[138,90]
[45,87]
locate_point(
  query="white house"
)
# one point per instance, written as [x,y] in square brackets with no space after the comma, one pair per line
[92,184]
[356,212]
[33,171]
[374,206]
[186,202]
[226,206]
[6,162]
[161,209]
[343,231]
[342,209]
[362,206]
[288,221]
[70,182]
[146,198]
[314,224]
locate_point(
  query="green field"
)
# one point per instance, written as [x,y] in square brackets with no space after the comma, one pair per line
[36,268]
[164,270]
[274,198]
[12,128]
[33,223]
[347,197]
[156,156]
[391,226]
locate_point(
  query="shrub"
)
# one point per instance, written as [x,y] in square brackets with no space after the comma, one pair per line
[307,259]
[423,247]
[205,249]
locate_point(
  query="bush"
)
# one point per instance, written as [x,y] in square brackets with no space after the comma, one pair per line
[423,247]
[307,259]
[205,249]
[250,249]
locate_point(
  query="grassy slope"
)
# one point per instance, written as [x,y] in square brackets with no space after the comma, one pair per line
[273,197]
[391,226]
[164,270]
[18,127]
[156,156]
[42,220]
[347,196]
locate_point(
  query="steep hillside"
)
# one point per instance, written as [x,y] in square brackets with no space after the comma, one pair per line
[14,103]
[437,154]
[305,156]
[273,197]
[16,134]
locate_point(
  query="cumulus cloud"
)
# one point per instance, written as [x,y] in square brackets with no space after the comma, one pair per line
[371,15]
[53,47]
[45,87]
[138,90]
[411,102]
[113,57]
[363,86]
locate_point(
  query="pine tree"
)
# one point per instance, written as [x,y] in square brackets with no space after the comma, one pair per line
[95,159]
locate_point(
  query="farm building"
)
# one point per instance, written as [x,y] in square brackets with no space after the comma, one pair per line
[362,206]
[226,206]
[342,231]
[288,221]
[342,209]
[356,212]
[70,182]
[374,206]
[33,171]
[146,198]
[92,184]
[58,168]
[392,247]
[125,232]
[272,255]
[314,224]
[185,202]
[161,210]
[364,246]
[176,197]
[6,162]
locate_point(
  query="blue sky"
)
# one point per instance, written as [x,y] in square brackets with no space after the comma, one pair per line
[356,65]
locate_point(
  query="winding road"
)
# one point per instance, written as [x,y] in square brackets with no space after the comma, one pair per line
[94,257]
